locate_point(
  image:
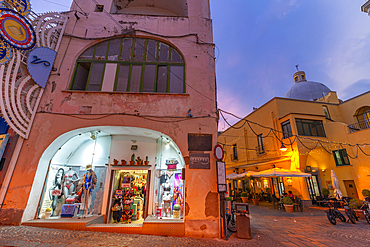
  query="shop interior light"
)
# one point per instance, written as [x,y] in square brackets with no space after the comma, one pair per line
[283,148]
[168,144]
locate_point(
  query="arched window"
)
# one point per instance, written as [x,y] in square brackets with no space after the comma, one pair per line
[130,65]
[363,117]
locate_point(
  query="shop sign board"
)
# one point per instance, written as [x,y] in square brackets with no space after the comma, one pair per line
[199,142]
[221,177]
[199,161]
[40,62]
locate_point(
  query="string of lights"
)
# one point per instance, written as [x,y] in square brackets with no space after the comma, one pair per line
[298,138]
[166,119]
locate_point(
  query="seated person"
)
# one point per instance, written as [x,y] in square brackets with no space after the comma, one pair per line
[291,194]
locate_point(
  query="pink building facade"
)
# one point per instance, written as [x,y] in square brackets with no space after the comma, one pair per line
[131,81]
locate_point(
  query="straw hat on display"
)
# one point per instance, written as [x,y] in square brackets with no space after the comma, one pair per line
[88,167]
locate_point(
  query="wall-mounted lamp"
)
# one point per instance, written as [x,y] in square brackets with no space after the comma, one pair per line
[289,181]
[256,168]
[273,166]
[323,170]
[283,148]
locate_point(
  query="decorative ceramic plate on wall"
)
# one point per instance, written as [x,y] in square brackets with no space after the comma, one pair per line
[16,30]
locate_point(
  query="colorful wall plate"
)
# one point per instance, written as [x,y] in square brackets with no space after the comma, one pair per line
[5,52]
[16,30]
[40,62]
[23,7]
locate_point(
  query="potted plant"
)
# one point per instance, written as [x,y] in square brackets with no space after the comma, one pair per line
[228,203]
[356,204]
[176,211]
[139,161]
[366,193]
[47,212]
[244,196]
[115,162]
[146,162]
[325,192]
[132,162]
[123,162]
[288,204]
[256,199]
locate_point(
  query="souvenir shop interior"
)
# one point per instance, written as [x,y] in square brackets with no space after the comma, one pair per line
[128,199]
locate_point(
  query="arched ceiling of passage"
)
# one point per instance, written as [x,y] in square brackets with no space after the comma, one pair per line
[64,146]
[152,7]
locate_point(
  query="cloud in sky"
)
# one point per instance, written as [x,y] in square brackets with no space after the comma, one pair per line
[281,8]
[329,42]
[356,88]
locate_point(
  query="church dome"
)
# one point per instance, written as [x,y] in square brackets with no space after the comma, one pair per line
[306,90]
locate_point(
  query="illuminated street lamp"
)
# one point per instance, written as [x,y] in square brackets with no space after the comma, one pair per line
[283,148]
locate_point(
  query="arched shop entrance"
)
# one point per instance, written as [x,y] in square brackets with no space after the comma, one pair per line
[137,175]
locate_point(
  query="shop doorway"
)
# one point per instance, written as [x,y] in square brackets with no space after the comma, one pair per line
[278,185]
[128,196]
[313,188]
[351,188]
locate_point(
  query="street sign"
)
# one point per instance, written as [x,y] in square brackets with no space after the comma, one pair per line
[219,152]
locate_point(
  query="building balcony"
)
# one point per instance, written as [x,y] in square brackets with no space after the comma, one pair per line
[359,126]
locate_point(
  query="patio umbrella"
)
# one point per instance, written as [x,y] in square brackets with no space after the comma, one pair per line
[241,175]
[278,172]
[246,174]
[232,176]
[337,192]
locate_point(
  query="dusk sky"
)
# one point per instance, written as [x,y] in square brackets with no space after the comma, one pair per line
[258,44]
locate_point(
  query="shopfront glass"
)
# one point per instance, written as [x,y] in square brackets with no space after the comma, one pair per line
[169,195]
[68,187]
[168,200]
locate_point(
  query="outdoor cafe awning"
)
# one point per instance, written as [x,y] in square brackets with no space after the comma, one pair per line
[278,172]
[241,175]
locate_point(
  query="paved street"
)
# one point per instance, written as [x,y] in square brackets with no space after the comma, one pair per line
[270,227]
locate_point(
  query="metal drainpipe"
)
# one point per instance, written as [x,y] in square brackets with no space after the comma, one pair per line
[10,171]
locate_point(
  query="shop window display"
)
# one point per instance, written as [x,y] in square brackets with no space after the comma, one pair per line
[68,188]
[169,193]
[128,200]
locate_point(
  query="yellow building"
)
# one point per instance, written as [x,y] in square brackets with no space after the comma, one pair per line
[321,133]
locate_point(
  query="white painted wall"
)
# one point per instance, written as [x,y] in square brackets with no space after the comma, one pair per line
[83,154]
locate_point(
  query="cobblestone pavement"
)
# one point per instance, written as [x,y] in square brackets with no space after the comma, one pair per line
[270,227]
